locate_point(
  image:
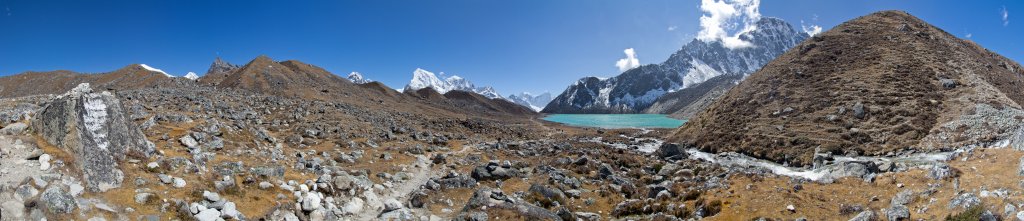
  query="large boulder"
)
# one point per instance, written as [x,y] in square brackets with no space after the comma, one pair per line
[94,128]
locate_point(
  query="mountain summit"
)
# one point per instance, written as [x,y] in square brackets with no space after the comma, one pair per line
[697,62]
[874,85]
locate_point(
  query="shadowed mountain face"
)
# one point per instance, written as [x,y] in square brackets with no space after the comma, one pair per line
[698,61]
[57,82]
[873,85]
[685,103]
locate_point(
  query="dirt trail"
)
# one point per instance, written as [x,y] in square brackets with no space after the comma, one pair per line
[421,172]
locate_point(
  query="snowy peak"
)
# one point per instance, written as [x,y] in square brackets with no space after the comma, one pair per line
[535,102]
[356,77]
[148,68]
[636,89]
[426,79]
[191,76]
[488,92]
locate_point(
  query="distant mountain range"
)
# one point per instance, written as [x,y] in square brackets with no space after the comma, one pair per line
[535,102]
[426,79]
[697,62]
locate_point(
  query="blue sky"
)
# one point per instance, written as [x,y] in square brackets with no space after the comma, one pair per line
[515,46]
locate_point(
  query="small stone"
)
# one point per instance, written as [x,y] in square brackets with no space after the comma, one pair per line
[791,208]
[179,182]
[142,198]
[266,185]
[392,204]
[208,215]
[44,162]
[211,196]
[152,165]
[311,202]
[898,212]
[76,189]
[188,141]
[859,111]
[866,215]
[164,178]
[353,206]
[230,211]
[195,208]
[55,200]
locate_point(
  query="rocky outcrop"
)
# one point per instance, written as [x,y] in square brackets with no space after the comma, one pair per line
[93,127]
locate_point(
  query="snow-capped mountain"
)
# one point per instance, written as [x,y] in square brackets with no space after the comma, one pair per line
[424,79]
[356,77]
[147,67]
[529,100]
[636,89]
[191,76]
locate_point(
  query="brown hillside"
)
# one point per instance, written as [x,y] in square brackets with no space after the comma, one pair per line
[874,85]
[478,103]
[58,82]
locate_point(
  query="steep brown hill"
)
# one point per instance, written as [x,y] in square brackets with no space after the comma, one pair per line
[874,85]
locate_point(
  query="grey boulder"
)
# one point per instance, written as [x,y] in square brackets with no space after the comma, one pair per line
[94,128]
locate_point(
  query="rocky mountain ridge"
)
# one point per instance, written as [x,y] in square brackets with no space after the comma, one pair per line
[635,90]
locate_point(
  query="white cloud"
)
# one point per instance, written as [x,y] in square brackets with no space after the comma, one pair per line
[672,28]
[810,30]
[968,35]
[1006,16]
[629,62]
[726,20]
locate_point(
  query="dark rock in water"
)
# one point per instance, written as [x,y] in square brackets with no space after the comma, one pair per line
[94,127]
[670,150]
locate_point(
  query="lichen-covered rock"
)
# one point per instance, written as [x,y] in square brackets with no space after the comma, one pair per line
[92,126]
[57,201]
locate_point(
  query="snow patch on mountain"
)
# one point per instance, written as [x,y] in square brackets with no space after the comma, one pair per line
[535,102]
[356,77]
[191,76]
[699,72]
[426,79]
[147,67]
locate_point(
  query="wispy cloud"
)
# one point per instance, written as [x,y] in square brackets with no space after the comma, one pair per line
[1006,16]
[672,28]
[726,20]
[629,62]
[811,30]
[968,35]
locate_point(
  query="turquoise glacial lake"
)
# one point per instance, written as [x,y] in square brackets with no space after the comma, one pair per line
[613,121]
